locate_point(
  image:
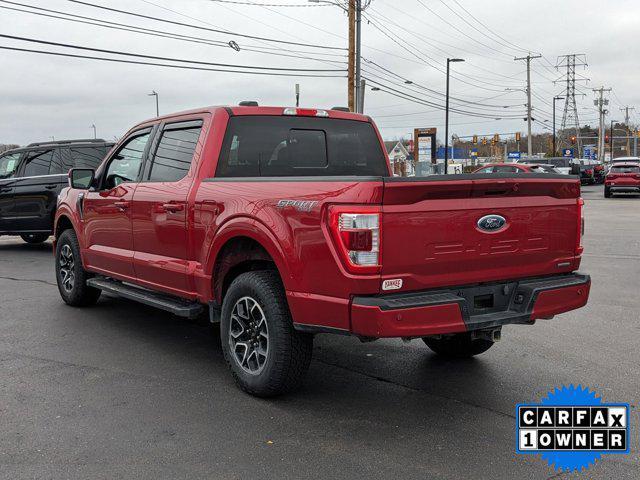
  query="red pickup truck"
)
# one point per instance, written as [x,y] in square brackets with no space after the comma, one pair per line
[286,222]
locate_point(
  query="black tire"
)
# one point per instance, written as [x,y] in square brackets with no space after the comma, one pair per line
[607,192]
[288,352]
[71,277]
[460,345]
[34,238]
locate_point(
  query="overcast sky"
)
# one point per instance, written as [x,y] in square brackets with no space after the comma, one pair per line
[43,96]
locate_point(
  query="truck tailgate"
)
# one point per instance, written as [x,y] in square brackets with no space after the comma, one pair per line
[431,235]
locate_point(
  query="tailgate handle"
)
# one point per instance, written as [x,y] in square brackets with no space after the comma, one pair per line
[496,192]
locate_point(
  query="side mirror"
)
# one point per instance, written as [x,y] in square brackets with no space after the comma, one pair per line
[81,178]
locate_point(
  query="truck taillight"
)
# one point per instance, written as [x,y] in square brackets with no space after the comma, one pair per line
[580,234]
[356,234]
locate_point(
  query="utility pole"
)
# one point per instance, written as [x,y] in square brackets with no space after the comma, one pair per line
[601,102]
[297,94]
[626,124]
[528,58]
[351,72]
[358,79]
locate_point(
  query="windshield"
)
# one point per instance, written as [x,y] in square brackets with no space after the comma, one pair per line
[8,164]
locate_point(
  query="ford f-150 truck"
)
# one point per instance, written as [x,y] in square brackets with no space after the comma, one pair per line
[284,223]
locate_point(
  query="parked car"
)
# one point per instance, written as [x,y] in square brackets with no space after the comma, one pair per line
[622,177]
[272,219]
[516,168]
[562,164]
[598,168]
[31,179]
[585,172]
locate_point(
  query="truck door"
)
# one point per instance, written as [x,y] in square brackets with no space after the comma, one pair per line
[160,208]
[107,210]
[35,191]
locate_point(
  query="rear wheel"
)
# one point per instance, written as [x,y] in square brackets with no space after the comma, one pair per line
[460,345]
[266,355]
[70,275]
[34,238]
[607,192]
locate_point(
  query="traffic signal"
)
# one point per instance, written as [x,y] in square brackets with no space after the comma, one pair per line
[475,140]
[573,140]
[517,136]
[484,140]
[496,138]
[606,139]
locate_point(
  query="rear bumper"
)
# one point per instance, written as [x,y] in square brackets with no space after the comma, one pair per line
[434,312]
[623,188]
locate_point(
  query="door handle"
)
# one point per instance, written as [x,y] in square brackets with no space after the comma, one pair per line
[122,205]
[50,187]
[173,207]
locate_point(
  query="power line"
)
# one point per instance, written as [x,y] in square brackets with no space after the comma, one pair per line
[183,67]
[55,14]
[170,59]
[227,32]
[233,2]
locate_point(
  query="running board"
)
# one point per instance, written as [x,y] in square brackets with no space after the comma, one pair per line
[177,306]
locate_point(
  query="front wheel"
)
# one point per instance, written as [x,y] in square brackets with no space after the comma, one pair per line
[607,192]
[34,238]
[460,345]
[266,355]
[70,275]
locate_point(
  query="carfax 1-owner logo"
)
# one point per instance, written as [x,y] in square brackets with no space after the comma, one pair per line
[572,428]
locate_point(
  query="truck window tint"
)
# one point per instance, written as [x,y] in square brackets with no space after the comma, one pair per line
[300,146]
[9,164]
[174,154]
[125,166]
[38,163]
[86,157]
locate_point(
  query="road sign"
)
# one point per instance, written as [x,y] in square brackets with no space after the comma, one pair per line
[474,152]
[567,152]
[514,155]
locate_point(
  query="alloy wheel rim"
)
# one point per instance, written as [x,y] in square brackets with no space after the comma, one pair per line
[66,268]
[249,336]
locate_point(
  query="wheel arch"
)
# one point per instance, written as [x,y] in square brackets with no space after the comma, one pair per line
[243,247]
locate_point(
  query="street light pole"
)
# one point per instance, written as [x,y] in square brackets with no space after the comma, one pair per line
[95,135]
[555,150]
[155,94]
[446,118]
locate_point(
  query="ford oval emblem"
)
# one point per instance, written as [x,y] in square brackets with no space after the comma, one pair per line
[491,223]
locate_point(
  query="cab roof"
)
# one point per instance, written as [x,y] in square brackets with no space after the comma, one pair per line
[266,110]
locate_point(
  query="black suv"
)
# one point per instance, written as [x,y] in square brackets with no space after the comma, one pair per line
[31,179]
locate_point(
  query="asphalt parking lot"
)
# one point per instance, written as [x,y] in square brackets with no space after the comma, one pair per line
[121,390]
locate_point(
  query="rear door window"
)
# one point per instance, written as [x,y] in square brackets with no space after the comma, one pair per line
[40,162]
[273,146]
[174,154]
